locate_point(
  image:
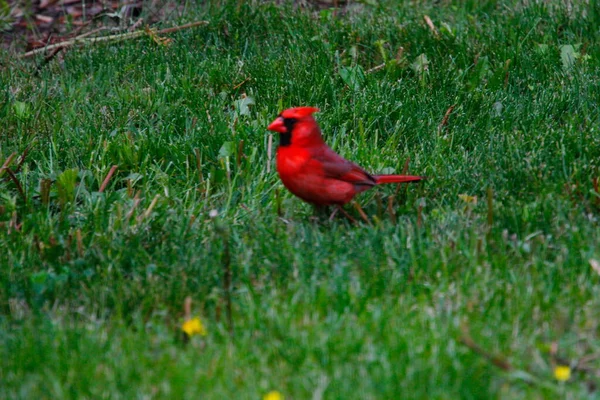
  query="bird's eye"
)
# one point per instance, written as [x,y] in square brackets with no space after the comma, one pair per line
[289,123]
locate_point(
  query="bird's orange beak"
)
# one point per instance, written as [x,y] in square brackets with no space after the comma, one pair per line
[277,126]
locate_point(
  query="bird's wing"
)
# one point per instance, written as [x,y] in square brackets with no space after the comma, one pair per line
[336,167]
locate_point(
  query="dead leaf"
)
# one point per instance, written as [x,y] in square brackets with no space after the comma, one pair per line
[468,199]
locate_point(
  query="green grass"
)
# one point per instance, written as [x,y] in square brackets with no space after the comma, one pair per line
[92,284]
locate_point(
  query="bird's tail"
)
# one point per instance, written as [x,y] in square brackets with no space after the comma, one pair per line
[379,179]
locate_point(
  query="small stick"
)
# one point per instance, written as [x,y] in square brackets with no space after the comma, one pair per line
[151,206]
[187,308]
[333,214]
[187,315]
[17,183]
[240,153]
[198,164]
[136,202]
[361,212]
[498,361]
[390,209]
[45,190]
[14,222]
[22,159]
[341,209]
[376,68]
[431,26]
[107,179]
[587,359]
[7,163]
[136,25]
[507,74]
[110,38]
[79,243]
[74,41]
[399,54]
[405,168]
[181,27]
[379,202]
[241,83]
[446,116]
[404,172]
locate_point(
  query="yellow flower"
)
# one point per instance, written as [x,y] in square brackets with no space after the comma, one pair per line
[273,395]
[562,373]
[193,327]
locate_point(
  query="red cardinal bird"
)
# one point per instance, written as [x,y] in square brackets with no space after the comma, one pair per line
[312,170]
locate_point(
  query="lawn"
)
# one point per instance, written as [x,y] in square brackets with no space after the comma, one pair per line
[482,282]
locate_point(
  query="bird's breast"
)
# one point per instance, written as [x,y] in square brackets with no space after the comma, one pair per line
[291,161]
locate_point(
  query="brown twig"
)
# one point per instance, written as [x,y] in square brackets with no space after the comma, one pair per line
[22,159]
[404,172]
[498,361]
[16,182]
[241,83]
[361,212]
[187,308]
[107,179]
[109,38]
[148,211]
[136,202]
[7,163]
[240,153]
[341,209]
[446,116]
[587,359]
[181,27]
[431,26]
[379,202]
[390,209]
[376,68]
[199,164]
[136,25]
[187,315]
[45,185]
[507,73]
[14,222]
[79,241]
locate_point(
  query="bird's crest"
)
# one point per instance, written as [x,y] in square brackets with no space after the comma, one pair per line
[299,112]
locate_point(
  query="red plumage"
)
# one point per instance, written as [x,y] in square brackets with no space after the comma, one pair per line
[312,170]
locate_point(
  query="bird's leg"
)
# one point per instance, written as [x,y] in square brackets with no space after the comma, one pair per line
[361,212]
[334,213]
[341,209]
